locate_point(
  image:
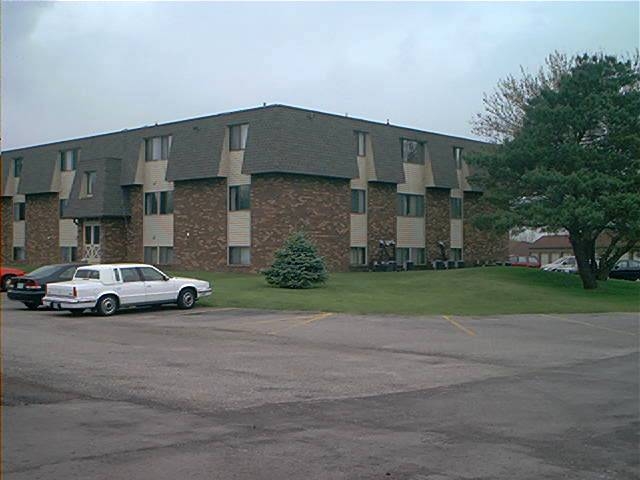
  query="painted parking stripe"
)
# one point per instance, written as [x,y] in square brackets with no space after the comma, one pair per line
[587,324]
[304,321]
[466,330]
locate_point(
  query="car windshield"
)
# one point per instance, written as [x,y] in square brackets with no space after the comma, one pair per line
[44,271]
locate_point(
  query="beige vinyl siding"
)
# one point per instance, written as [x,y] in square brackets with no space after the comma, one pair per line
[414,175]
[68,233]
[463,176]
[236,177]
[410,232]
[456,233]
[66,181]
[11,186]
[239,223]
[158,230]
[18,234]
[358,230]
[155,174]
[360,183]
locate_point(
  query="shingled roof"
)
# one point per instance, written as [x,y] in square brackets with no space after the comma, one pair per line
[281,139]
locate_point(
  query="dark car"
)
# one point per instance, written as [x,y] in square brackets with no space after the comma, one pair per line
[626,270]
[32,287]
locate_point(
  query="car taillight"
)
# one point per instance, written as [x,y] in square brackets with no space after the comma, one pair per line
[31,284]
[75,292]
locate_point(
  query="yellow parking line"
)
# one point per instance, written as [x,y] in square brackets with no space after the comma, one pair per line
[279,319]
[306,321]
[223,309]
[580,322]
[466,330]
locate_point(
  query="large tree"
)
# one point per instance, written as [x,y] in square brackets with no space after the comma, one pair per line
[572,161]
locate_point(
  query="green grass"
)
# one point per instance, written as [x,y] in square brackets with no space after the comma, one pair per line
[472,291]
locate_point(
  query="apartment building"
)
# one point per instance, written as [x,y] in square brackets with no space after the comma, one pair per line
[222,192]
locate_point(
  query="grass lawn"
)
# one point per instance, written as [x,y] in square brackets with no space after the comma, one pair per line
[472,291]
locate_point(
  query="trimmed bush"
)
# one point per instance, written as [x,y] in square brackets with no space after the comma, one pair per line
[297,264]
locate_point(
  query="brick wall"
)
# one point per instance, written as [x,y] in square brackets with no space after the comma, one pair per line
[382,208]
[481,246]
[282,204]
[133,225]
[437,222]
[200,224]
[113,240]
[42,228]
[7,230]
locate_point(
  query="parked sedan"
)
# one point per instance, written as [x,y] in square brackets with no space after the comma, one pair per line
[31,288]
[626,270]
[107,288]
[563,264]
[6,274]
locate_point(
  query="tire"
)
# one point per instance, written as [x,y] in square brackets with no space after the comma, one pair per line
[186,298]
[4,283]
[31,305]
[107,305]
[76,312]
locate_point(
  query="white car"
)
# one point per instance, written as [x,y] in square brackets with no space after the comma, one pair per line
[563,264]
[106,288]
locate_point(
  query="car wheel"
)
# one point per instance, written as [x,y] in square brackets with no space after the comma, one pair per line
[4,283]
[76,312]
[107,305]
[31,305]
[187,298]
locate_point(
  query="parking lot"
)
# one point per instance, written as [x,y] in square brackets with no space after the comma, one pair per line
[234,394]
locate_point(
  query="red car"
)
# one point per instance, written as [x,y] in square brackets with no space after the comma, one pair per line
[521,261]
[6,274]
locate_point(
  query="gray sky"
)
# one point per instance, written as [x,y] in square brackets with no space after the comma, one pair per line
[72,69]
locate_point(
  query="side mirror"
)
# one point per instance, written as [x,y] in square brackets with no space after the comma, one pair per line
[167,278]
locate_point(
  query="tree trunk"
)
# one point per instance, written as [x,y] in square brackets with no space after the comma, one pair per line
[585,251]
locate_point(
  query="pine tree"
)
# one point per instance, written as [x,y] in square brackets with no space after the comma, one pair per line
[297,264]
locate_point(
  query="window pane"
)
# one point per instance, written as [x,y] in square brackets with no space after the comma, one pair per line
[166,256]
[402,255]
[240,197]
[149,254]
[130,275]
[457,154]
[150,203]
[456,208]
[151,274]
[244,132]
[166,145]
[156,148]
[362,144]
[96,234]
[87,235]
[63,205]
[239,256]
[235,137]
[410,151]
[358,203]
[166,202]
[17,167]
[456,254]
[358,256]
[148,149]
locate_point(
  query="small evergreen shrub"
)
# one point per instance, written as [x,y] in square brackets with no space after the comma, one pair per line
[297,264]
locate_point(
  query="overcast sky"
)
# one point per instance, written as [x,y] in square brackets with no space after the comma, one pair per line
[73,69]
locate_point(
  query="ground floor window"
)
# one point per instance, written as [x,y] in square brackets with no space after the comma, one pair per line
[239,256]
[158,255]
[19,254]
[69,254]
[415,255]
[456,254]
[358,256]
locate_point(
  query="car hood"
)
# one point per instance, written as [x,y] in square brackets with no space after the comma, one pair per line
[195,281]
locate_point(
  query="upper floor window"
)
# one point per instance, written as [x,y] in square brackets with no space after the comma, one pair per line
[158,203]
[358,201]
[362,144]
[457,154]
[68,160]
[238,136]
[63,206]
[240,197]
[157,148]
[90,183]
[456,208]
[410,205]
[18,211]
[17,167]
[410,151]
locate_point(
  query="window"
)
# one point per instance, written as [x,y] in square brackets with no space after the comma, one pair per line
[151,255]
[457,154]
[418,256]
[17,167]
[92,234]
[87,274]
[68,160]
[239,256]
[18,211]
[410,205]
[63,205]
[116,274]
[456,254]
[456,208]
[358,201]
[402,255]
[157,148]
[150,203]
[362,144]
[19,254]
[240,197]
[415,255]
[130,275]
[90,183]
[158,255]
[166,202]
[158,203]
[238,136]
[69,254]
[410,151]
[358,256]
[151,274]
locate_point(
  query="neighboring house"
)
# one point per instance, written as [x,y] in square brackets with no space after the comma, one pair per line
[519,249]
[222,192]
[549,248]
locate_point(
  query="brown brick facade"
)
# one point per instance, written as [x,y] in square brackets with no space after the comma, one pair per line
[134,225]
[42,229]
[479,245]
[437,222]
[113,240]
[382,208]
[200,224]
[282,204]
[7,230]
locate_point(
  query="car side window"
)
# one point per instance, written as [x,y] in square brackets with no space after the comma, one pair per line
[634,264]
[130,275]
[151,274]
